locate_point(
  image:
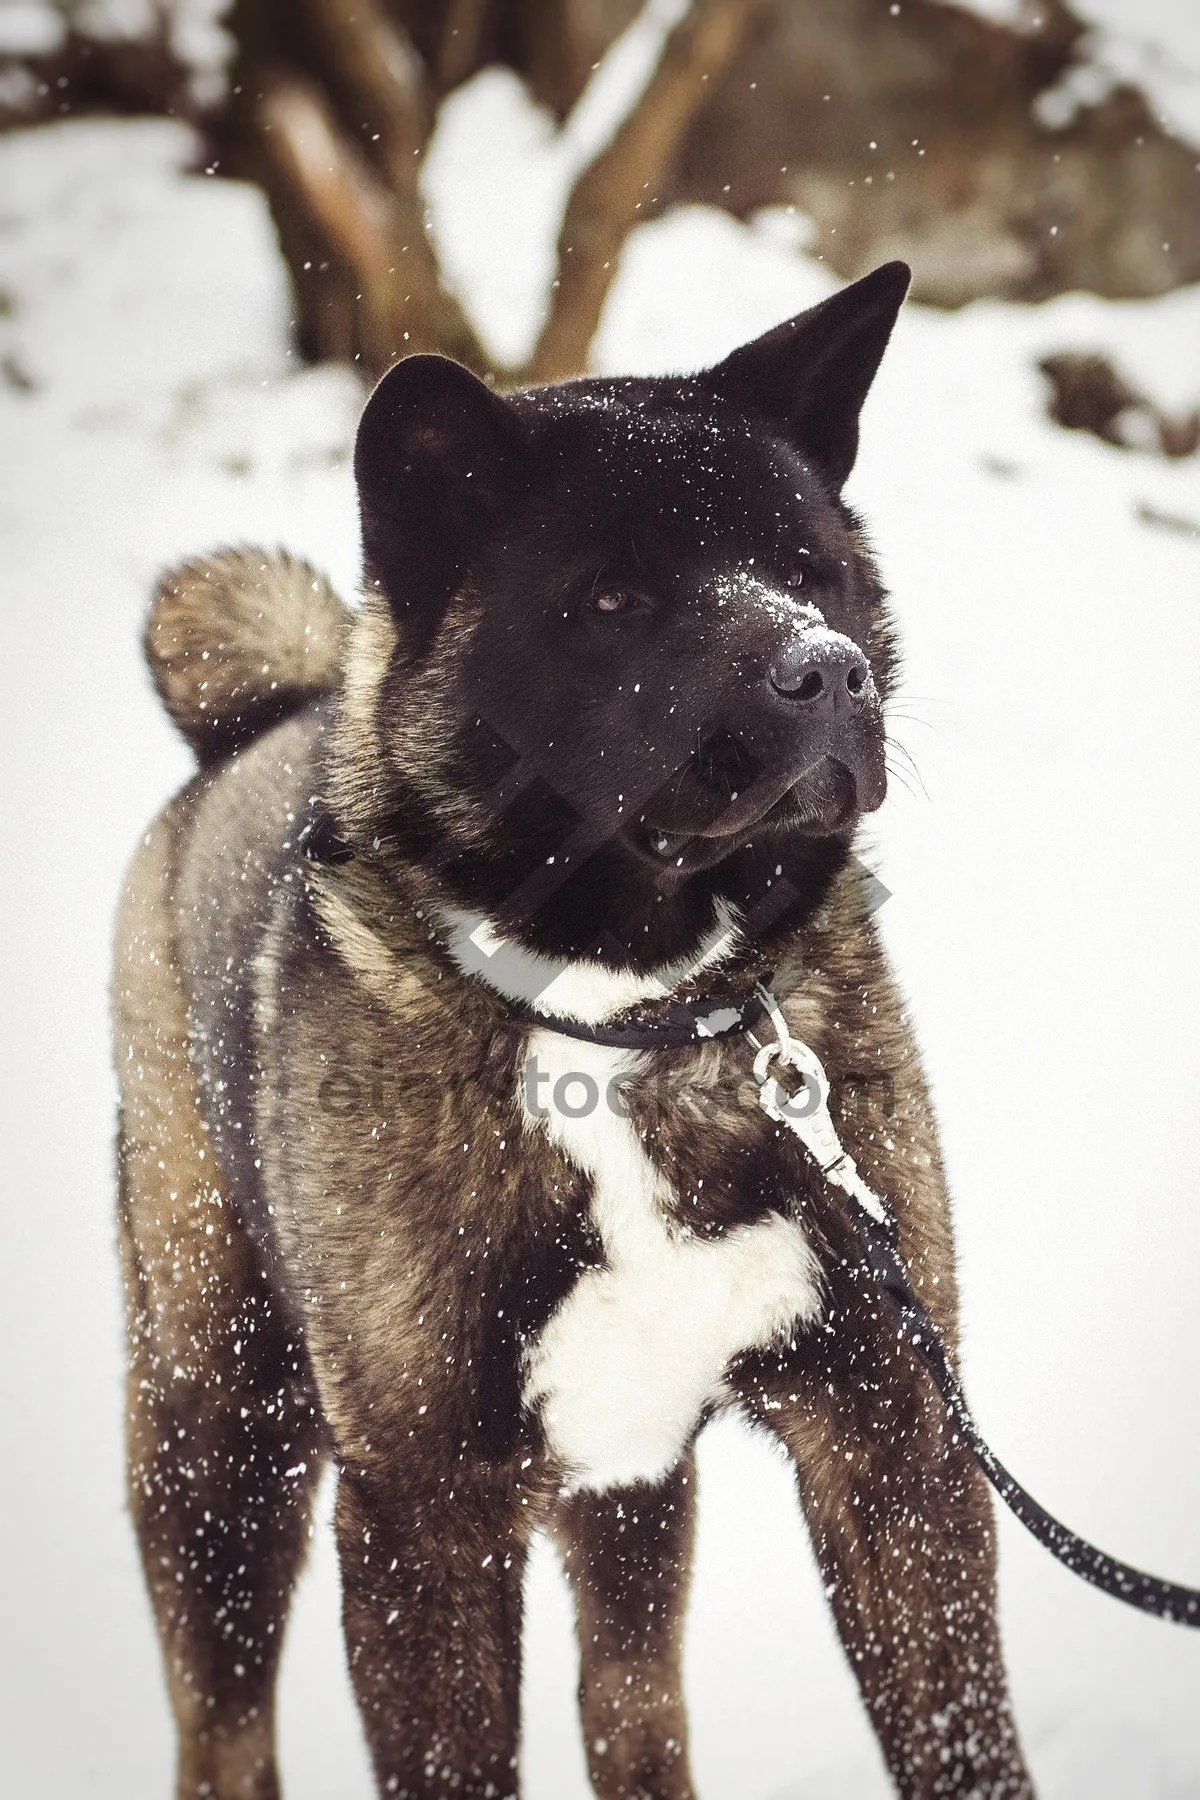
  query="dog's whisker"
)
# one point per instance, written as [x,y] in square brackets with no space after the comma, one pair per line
[909,765]
[896,716]
[904,780]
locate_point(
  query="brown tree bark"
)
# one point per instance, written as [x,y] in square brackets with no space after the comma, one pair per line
[375,234]
[921,131]
[334,106]
[332,110]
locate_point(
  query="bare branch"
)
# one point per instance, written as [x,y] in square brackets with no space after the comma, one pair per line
[381,70]
[379,235]
[458,52]
[625,177]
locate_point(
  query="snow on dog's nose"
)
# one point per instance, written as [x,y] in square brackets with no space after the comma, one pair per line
[823,671]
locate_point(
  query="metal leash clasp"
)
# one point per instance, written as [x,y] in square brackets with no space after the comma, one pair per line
[806,1112]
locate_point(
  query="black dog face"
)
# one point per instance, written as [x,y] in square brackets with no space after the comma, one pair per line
[649,643]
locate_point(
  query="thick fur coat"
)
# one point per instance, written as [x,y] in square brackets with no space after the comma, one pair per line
[594,744]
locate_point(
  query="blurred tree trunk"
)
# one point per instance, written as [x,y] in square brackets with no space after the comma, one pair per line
[332,106]
[623,182]
[992,157]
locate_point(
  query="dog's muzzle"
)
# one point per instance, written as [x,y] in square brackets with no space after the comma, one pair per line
[810,727]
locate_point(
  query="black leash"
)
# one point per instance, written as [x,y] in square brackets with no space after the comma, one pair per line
[878,1232]
[1166,1599]
[682,1023]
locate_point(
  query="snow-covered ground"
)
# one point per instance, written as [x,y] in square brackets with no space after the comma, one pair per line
[1043,871]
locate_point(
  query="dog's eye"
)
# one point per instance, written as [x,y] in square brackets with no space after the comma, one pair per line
[613,601]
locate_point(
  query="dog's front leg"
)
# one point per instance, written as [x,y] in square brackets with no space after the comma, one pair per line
[628,1559]
[902,1528]
[432,1558]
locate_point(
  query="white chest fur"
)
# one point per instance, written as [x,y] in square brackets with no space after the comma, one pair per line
[640,1345]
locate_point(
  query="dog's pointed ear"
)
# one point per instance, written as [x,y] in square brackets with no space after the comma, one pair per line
[435,452]
[813,373]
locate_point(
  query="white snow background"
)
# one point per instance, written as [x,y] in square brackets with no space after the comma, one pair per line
[1044,875]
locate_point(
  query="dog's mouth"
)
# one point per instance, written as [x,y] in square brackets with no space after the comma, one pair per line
[826,800]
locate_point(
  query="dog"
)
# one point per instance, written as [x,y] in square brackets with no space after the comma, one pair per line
[401,1186]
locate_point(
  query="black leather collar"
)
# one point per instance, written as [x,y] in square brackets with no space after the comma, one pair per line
[679,1024]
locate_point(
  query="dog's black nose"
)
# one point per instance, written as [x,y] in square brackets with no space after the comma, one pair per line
[823,673]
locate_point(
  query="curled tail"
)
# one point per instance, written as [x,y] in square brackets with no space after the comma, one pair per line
[238,640]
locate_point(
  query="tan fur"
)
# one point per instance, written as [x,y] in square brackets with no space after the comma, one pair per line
[239,639]
[207,1435]
[413,745]
[358,748]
